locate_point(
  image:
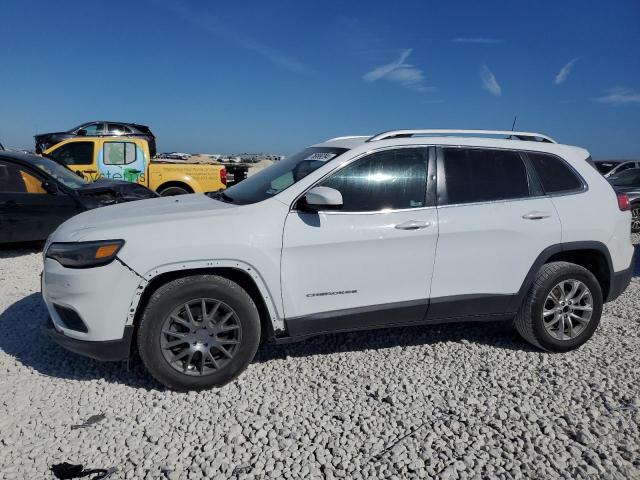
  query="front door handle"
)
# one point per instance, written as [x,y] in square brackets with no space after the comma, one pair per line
[413,225]
[536,215]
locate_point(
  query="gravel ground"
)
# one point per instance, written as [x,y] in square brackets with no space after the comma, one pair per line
[454,401]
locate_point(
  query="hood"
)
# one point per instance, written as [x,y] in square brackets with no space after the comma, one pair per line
[116,221]
[41,136]
[108,192]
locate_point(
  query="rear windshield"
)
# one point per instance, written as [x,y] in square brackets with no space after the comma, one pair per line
[281,175]
[605,167]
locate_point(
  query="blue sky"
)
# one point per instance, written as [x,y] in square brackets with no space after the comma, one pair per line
[279,75]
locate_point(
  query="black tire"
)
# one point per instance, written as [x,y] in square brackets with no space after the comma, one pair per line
[173,191]
[183,290]
[529,321]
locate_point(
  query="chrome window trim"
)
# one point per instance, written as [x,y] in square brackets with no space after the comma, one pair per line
[292,208]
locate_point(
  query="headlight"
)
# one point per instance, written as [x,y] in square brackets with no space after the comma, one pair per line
[84,254]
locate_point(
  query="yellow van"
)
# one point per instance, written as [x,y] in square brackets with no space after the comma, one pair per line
[127,158]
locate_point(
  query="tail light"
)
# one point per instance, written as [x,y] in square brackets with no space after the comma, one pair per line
[623,202]
[223,175]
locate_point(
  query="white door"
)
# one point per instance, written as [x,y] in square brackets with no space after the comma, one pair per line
[494,222]
[371,262]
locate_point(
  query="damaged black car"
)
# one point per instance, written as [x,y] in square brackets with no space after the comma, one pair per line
[38,194]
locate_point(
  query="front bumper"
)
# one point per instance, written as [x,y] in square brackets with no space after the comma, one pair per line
[621,280]
[98,298]
[108,351]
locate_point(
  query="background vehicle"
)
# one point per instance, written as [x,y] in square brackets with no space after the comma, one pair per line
[342,236]
[37,195]
[98,128]
[628,182]
[613,167]
[128,159]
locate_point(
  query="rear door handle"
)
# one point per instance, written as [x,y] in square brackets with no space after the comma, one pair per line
[413,225]
[536,215]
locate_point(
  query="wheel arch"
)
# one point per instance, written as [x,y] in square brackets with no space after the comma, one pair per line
[592,255]
[239,272]
[175,183]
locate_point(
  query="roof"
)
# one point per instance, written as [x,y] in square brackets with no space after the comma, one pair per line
[479,138]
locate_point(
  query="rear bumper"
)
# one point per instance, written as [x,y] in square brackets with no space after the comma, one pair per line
[109,350]
[621,280]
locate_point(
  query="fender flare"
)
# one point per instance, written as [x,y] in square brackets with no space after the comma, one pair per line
[550,251]
[277,321]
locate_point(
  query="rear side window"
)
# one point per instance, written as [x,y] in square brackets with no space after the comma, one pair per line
[119,153]
[482,175]
[555,175]
[391,179]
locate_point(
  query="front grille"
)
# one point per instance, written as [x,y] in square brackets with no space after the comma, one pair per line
[70,319]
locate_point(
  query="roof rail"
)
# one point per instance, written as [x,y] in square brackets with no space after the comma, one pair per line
[527,136]
[346,137]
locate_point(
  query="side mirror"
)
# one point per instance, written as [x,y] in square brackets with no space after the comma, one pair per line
[82,132]
[321,198]
[50,187]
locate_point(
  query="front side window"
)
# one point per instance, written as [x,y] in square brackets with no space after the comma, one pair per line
[17,180]
[94,129]
[75,153]
[281,175]
[119,153]
[387,180]
[555,175]
[483,175]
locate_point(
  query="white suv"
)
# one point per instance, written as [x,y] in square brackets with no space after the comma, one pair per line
[403,228]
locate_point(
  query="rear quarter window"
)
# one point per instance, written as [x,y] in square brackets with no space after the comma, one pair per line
[554,173]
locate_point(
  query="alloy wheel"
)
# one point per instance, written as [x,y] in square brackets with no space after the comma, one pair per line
[201,336]
[567,309]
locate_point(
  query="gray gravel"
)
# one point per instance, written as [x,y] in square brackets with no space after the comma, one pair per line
[455,401]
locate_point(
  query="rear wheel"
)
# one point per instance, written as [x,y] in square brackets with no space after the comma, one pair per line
[635,218]
[562,309]
[198,332]
[172,191]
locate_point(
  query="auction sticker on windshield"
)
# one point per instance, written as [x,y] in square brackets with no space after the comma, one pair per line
[321,156]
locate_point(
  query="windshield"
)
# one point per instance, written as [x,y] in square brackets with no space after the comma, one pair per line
[628,178]
[60,173]
[281,175]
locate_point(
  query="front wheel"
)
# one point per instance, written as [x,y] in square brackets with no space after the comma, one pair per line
[562,309]
[198,332]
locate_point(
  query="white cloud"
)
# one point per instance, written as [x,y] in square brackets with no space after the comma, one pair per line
[489,81]
[619,96]
[399,72]
[564,72]
[477,40]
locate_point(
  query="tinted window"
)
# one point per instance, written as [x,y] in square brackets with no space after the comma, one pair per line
[94,129]
[555,175]
[628,178]
[16,180]
[10,179]
[392,179]
[116,129]
[119,153]
[625,166]
[478,175]
[76,153]
[604,167]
